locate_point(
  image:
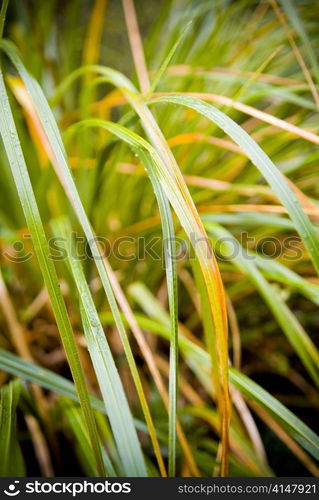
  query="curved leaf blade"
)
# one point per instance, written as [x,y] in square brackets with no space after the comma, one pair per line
[262,162]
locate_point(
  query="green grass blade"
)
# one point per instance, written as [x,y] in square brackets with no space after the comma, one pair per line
[296,22]
[176,190]
[109,380]
[4,6]
[294,426]
[23,184]
[263,163]
[176,193]
[11,463]
[47,379]
[174,186]
[288,322]
[167,60]
[114,77]
[73,425]
[278,272]
[171,278]
[59,160]
[199,361]
[114,398]
[76,423]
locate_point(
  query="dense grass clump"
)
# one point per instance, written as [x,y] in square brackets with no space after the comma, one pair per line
[159,238]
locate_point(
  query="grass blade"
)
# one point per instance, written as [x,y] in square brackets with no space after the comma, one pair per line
[178,195]
[47,379]
[109,380]
[75,421]
[171,279]
[294,426]
[167,60]
[58,157]
[174,186]
[288,322]
[299,27]
[182,208]
[21,177]
[11,463]
[263,163]
[254,112]
[199,361]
